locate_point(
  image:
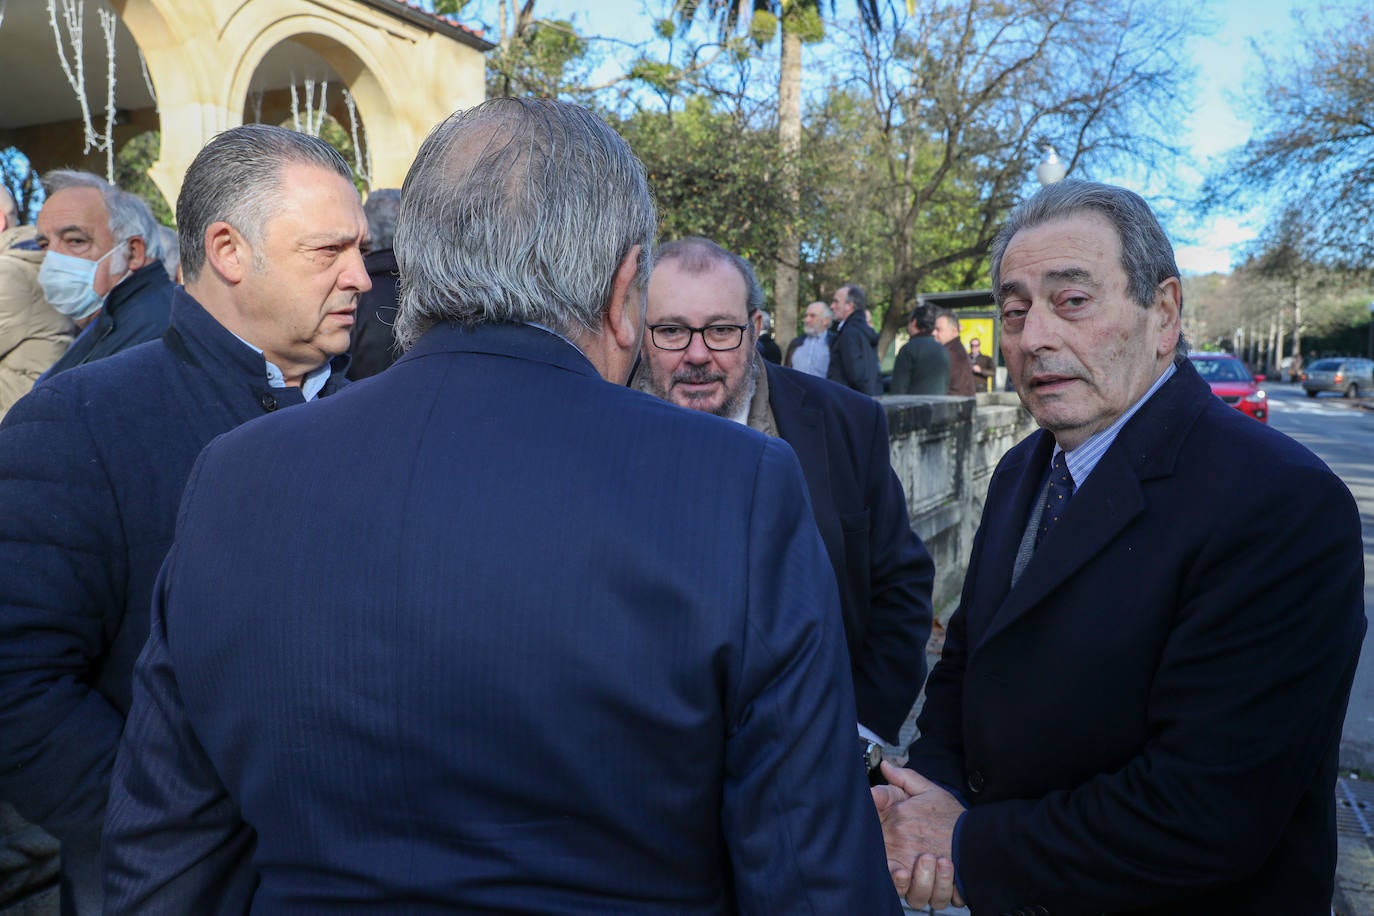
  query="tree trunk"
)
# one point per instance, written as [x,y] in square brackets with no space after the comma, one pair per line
[1297,324]
[789,146]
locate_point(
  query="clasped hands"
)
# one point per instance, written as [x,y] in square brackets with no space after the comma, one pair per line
[918,820]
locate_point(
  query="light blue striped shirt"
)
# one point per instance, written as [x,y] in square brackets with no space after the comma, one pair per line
[1085,457]
[311,385]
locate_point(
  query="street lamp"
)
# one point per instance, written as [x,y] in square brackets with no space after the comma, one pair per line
[1051,168]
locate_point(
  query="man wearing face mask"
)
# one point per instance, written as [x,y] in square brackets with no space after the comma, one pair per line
[93,460]
[101,269]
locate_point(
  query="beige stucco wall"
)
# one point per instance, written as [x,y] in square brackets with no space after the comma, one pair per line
[202,55]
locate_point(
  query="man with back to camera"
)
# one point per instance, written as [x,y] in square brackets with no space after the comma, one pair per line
[93,461]
[101,268]
[883,569]
[518,693]
[922,364]
[1126,703]
[32,333]
[854,348]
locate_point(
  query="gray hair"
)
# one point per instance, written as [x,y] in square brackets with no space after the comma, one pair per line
[857,297]
[825,310]
[129,216]
[8,208]
[519,210]
[169,250]
[948,313]
[696,255]
[237,178]
[381,209]
[1147,257]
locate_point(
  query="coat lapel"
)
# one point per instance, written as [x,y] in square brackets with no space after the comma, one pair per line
[803,428]
[1113,496]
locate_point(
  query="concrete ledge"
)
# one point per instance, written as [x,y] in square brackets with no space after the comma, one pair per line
[944,450]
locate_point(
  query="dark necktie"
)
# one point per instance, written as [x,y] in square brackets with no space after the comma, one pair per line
[1057,492]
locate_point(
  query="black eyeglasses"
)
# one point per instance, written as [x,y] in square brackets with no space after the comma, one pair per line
[715,336]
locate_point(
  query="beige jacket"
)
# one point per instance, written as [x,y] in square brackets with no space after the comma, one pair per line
[32,334]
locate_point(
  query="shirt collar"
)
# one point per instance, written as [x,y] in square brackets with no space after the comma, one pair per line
[1084,458]
[311,385]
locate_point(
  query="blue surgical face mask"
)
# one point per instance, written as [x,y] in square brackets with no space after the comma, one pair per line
[69,282]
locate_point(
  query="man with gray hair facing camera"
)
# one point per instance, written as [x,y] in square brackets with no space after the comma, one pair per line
[101,269]
[1132,712]
[93,461]
[517,691]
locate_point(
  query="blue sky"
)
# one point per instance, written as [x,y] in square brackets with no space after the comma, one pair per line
[1223,58]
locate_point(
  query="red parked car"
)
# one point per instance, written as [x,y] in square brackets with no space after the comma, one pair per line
[1233,383]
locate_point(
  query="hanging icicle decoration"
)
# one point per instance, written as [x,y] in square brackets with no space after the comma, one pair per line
[295,105]
[362,166]
[107,25]
[73,16]
[147,80]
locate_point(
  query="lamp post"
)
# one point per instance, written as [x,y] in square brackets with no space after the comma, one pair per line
[1051,168]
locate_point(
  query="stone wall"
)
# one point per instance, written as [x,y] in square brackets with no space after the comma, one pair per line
[944,450]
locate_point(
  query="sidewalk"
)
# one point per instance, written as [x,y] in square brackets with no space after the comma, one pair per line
[1354,848]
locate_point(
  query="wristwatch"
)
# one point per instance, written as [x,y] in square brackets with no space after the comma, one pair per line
[872,752]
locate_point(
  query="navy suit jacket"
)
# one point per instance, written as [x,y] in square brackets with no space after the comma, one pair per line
[1149,719]
[884,571]
[493,635]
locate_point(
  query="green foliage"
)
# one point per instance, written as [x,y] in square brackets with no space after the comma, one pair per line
[663,77]
[544,60]
[804,20]
[665,28]
[450,7]
[712,176]
[762,27]
[132,162]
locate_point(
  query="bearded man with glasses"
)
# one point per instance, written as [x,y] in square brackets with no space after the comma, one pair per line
[704,316]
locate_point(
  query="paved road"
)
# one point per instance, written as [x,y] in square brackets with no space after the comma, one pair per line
[1342,433]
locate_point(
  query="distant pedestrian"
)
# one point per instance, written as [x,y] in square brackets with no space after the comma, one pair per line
[961,383]
[981,363]
[373,345]
[854,351]
[922,365]
[767,346]
[810,352]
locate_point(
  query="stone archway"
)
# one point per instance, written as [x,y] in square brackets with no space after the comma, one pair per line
[201,59]
[382,50]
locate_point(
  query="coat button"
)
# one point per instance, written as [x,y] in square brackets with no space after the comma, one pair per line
[976,781]
[267,401]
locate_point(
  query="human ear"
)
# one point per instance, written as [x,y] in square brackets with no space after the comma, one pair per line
[1168,307]
[624,313]
[138,253]
[227,252]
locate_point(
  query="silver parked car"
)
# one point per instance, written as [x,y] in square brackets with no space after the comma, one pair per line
[1347,374]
